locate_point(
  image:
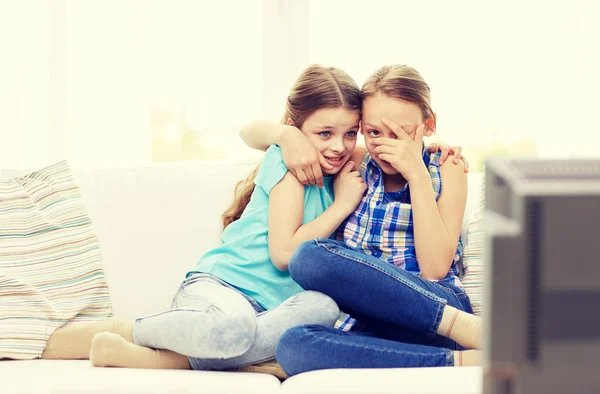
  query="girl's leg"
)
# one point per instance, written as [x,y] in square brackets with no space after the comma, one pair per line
[209,320]
[369,288]
[312,347]
[309,307]
[303,308]
[73,342]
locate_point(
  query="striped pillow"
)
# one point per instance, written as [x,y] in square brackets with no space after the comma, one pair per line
[473,255]
[50,266]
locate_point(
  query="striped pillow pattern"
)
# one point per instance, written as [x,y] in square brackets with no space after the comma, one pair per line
[473,255]
[50,265]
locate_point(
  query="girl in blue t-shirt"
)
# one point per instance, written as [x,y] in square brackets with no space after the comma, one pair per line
[239,298]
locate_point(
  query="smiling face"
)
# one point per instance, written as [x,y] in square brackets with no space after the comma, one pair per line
[333,131]
[379,105]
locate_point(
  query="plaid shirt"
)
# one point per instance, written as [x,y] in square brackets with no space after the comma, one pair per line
[382,224]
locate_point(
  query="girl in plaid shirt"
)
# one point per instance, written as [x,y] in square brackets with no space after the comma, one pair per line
[393,264]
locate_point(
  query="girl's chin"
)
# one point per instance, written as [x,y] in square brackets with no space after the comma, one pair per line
[327,171]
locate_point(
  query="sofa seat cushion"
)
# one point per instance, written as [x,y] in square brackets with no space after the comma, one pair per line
[438,380]
[66,376]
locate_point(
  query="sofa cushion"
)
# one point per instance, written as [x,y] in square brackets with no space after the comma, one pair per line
[154,223]
[66,376]
[50,266]
[438,380]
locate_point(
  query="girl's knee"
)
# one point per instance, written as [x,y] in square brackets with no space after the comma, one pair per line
[306,263]
[236,333]
[302,253]
[224,332]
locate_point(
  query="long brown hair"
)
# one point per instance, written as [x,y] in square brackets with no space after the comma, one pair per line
[317,87]
[402,82]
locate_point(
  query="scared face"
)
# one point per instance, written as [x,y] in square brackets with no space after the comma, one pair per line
[404,113]
[333,131]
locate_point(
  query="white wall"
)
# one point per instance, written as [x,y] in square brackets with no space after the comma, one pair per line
[78,77]
[499,71]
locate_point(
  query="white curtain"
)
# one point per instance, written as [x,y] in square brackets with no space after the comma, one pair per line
[72,72]
[24,83]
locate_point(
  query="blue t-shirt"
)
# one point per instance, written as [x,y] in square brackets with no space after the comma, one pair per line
[243,259]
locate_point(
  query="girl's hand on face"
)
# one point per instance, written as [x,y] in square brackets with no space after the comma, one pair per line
[348,188]
[302,158]
[405,153]
[447,150]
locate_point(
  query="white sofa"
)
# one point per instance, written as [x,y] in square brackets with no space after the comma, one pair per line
[153,223]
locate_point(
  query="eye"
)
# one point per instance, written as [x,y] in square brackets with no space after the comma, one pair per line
[373,133]
[325,133]
[351,134]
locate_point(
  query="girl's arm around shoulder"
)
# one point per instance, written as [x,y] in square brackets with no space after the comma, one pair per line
[286,212]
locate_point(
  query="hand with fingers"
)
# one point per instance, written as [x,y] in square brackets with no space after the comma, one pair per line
[302,159]
[404,153]
[446,151]
[348,188]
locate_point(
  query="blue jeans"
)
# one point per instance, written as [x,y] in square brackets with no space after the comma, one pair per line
[398,313]
[218,327]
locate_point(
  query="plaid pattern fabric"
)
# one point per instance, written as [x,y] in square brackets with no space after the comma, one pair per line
[382,224]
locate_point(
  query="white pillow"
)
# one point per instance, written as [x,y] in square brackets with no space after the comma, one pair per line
[50,265]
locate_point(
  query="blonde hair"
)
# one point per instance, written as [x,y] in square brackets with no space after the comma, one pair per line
[317,87]
[401,82]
